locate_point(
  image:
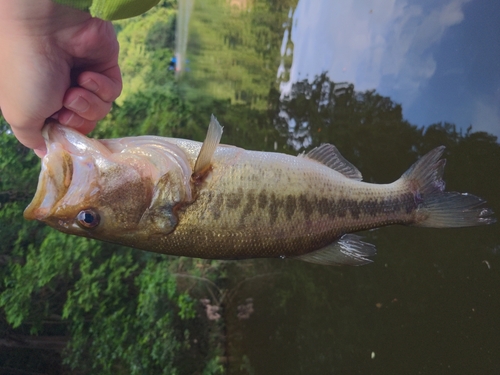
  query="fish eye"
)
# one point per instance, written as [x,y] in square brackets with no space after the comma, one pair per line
[88,219]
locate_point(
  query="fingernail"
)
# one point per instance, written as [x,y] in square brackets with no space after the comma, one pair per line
[73,120]
[78,105]
[90,85]
[40,152]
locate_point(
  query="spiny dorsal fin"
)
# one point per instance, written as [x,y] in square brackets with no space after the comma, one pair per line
[348,250]
[328,155]
[204,160]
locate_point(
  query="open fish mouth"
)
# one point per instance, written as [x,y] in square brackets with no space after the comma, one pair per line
[68,153]
[55,178]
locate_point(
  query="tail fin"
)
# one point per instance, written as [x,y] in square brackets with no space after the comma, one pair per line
[437,208]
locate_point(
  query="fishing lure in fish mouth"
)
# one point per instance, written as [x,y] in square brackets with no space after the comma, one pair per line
[207,200]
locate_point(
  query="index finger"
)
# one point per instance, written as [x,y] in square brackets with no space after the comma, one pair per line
[31,136]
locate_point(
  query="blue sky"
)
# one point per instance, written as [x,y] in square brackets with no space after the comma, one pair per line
[439,59]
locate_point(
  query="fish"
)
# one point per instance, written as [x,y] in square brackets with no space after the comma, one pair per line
[208,200]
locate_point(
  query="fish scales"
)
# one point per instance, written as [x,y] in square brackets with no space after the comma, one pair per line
[294,204]
[208,200]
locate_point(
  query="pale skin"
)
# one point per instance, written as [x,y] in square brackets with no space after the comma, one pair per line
[55,61]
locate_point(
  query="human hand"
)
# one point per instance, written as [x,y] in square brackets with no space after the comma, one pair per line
[55,62]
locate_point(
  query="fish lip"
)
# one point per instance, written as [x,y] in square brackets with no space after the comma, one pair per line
[49,189]
[74,142]
[64,146]
[34,210]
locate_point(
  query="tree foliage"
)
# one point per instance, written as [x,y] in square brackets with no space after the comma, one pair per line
[234,49]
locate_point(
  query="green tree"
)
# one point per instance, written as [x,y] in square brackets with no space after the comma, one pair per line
[146,48]
[112,309]
[234,49]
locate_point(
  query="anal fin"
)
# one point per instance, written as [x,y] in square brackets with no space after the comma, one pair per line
[348,250]
[204,160]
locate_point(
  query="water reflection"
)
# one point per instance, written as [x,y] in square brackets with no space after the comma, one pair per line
[372,44]
[432,295]
[439,55]
[409,50]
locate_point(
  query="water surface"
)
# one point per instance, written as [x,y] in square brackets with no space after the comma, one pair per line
[308,69]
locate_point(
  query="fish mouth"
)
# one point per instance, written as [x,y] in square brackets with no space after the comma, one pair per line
[68,153]
[53,183]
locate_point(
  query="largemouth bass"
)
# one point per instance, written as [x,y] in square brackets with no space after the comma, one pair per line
[207,200]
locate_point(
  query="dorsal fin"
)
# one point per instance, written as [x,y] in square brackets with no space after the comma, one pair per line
[204,160]
[328,155]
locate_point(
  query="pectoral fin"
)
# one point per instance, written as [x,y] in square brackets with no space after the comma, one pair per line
[204,160]
[167,196]
[348,250]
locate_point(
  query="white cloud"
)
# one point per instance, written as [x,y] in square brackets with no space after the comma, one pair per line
[375,44]
[486,116]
